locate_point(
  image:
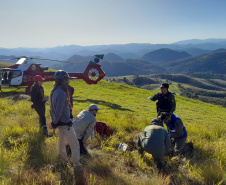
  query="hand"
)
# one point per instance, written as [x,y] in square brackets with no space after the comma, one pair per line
[149,98]
[45,98]
[51,127]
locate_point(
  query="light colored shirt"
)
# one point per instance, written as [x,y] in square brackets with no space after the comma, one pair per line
[84,124]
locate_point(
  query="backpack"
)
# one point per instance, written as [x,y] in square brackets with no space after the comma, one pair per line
[102,128]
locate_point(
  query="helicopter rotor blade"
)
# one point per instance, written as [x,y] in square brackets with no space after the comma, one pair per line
[9,58]
[52,60]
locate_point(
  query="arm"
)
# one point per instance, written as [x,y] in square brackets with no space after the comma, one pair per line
[154,98]
[33,95]
[172,103]
[60,100]
[178,130]
[167,143]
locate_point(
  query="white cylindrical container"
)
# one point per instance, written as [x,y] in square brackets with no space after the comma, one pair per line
[122,147]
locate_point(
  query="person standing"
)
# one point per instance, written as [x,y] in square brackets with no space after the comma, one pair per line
[39,100]
[166,100]
[155,141]
[84,124]
[176,131]
[60,114]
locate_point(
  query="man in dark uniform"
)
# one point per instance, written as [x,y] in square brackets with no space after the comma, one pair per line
[166,100]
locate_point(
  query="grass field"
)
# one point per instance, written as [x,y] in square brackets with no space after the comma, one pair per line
[26,157]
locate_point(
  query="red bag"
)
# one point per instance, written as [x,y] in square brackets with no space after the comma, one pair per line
[102,128]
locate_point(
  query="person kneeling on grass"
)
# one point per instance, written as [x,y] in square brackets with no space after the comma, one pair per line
[155,141]
[177,133]
[84,124]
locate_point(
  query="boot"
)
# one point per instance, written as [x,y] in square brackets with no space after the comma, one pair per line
[79,175]
[78,170]
[45,131]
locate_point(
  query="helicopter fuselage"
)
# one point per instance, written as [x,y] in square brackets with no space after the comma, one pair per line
[23,74]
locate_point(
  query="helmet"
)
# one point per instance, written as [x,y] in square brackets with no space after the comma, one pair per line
[38,78]
[61,75]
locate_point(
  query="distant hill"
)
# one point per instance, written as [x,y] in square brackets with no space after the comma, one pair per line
[210,63]
[75,58]
[112,68]
[164,55]
[207,87]
[196,51]
[114,65]
[199,41]
[126,51]
[7,59]
[113,57]
[130,67]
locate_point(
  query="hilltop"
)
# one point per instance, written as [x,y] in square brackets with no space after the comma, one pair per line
[27,158]
[164,55]
[164,61]
[206,87]
[214,62]
[134,59]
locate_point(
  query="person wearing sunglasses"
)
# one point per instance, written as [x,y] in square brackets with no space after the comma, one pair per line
[166,100]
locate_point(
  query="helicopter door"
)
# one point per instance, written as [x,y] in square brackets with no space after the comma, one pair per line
[16,77]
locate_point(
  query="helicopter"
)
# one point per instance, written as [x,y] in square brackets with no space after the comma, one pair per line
[23,73]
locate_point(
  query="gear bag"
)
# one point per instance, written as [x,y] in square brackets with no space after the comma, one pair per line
[102,128]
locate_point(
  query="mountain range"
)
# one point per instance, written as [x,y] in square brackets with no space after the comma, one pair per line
[134,59]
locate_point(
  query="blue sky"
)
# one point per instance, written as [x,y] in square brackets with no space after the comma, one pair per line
[50,23]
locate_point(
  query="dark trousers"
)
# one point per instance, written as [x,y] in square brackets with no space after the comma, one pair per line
[82,148]
[41,112]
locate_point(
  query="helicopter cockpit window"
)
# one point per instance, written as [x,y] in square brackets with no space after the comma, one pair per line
[16,74]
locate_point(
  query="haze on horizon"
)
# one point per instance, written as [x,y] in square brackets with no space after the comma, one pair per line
[51,23]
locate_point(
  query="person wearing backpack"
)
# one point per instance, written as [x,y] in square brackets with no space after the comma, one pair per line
[60,114]
[38,101]
[166,100]
[84,124]
[155,141]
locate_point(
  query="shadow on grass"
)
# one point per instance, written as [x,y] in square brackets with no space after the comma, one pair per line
[105,103]
[9,93]
[100,172]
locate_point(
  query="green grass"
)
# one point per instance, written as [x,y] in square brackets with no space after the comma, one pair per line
[4,64]
[28,158]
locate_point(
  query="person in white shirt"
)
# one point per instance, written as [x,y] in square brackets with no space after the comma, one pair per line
[84,124]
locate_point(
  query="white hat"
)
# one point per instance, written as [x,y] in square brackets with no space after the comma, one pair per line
[93,106]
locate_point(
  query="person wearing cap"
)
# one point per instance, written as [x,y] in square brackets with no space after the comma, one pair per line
[166,100]
[84,124]
[39,100]
[155,141]
[60,114]
[176,130]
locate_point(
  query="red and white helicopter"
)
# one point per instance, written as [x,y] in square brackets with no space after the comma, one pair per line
[22,73]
